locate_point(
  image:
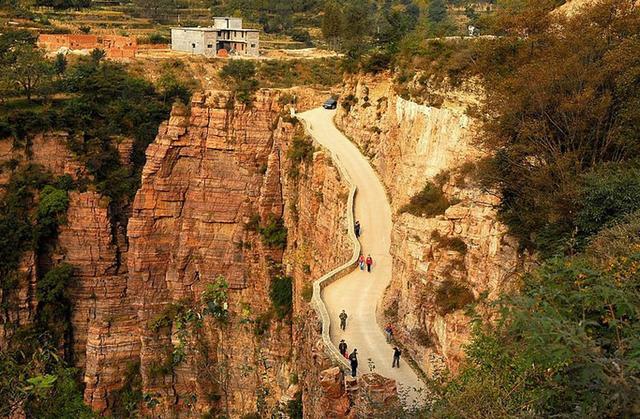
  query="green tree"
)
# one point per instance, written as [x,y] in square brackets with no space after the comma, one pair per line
[52,210]
[437,11]
[30,71]
[97,55]
[54,306]
[565,105]
[60,64]
[332,22]
[241,74]
[567,346]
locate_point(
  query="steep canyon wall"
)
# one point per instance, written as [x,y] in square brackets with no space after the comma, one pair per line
[410,144]
[140,325]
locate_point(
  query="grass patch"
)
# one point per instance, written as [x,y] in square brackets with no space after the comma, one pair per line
[324,72]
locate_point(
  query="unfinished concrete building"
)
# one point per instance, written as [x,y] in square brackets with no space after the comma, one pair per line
[226,36]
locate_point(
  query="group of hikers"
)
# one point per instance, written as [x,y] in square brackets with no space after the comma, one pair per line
[362,261]
[388,330]
[353,356]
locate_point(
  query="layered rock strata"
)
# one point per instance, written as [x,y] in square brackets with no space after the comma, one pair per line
[212,168]
[139,321]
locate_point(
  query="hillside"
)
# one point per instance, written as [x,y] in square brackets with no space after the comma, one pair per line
[178,232]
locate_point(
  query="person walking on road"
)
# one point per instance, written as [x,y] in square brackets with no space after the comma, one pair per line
[356,228]
[396,357]
[369,262]
[388,331]
[343,320]
[342,347]
[353,359]
[361,262]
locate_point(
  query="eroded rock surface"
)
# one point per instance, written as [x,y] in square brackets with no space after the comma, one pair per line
[466,247]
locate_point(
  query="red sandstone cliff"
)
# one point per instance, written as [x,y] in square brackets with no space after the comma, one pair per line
[138,322]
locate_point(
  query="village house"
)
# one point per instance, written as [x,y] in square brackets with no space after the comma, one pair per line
[225,37]
[113,45]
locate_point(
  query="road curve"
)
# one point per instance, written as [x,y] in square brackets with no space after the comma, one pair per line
[360,292]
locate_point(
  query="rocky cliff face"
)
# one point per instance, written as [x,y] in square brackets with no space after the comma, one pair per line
[143,329]
[442,262]
[88,241]
[316,217]
[212,169]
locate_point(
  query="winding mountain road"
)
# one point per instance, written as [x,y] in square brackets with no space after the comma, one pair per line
[360,292]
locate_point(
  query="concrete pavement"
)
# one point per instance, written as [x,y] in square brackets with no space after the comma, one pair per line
[360,292]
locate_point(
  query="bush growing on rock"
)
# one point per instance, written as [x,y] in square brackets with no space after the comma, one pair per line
[281,294]
[52,210]
[429,202]
[451,296]
[54,307]
[241,73]
[567,345]
[300,151]
[215,299]
[452,243]
[274,233]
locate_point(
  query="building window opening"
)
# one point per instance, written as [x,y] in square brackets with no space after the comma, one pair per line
[193,45]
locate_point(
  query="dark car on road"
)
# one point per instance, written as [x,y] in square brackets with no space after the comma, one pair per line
[330,103]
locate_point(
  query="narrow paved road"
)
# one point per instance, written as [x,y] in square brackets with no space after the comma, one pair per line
[360,292]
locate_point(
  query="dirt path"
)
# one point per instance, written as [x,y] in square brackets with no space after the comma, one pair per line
[360,292]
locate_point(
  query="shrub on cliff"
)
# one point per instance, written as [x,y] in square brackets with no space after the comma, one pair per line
[53,287]
[567,346]
[52,210]
[17,233]
[451,296]
[300,151]
[54,303]
[215,299]
[429,202]
[241,74]
[274,233]
[281,295]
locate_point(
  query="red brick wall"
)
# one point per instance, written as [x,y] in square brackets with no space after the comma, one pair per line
[114,45]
